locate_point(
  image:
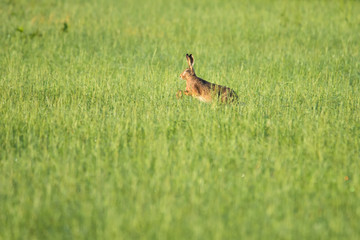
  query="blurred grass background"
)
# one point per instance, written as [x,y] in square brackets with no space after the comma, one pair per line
[94,144]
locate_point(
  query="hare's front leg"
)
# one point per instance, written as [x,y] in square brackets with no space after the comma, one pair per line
[186,92]
[179,94]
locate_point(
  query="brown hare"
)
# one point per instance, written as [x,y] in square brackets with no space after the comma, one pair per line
[204,90]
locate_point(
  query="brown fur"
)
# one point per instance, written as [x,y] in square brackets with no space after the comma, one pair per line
[204,90]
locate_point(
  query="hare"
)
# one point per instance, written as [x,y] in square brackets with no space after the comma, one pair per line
[204,90]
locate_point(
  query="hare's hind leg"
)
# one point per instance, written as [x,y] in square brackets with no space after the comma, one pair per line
[229,96]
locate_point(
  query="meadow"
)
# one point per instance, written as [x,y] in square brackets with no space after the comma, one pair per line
[95,145]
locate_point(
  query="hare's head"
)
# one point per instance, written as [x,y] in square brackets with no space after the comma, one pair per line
[190,70]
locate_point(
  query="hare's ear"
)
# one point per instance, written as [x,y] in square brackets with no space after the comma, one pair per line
[192,61]
[188,59]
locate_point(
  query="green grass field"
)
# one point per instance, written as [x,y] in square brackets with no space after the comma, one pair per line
[95,145]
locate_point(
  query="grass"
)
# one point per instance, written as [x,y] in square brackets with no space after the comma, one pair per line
[95,145]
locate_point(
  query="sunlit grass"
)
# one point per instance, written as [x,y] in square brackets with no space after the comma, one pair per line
[94,143]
